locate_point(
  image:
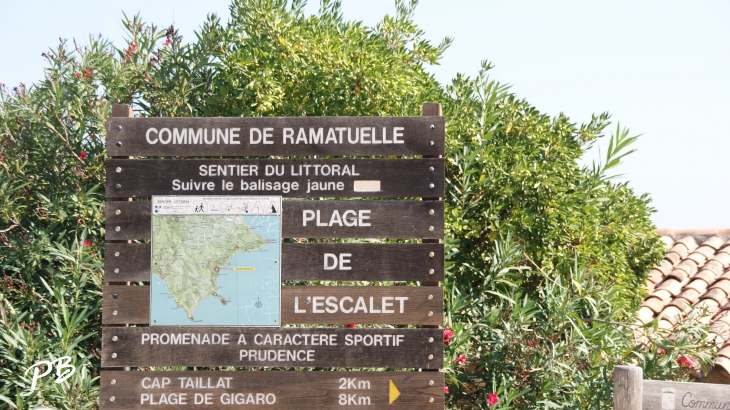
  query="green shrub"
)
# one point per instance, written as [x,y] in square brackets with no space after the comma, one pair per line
[545,258]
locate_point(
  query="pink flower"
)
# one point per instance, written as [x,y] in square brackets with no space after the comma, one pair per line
[78,75]
[461,359]
[446,389]
[351,325]
[492,399]
[83,155]
[660,352]
[87,243]
[686,361]
[448,335]
[167,41]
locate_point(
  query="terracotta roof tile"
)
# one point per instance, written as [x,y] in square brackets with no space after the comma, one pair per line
[691,295]
[724,362]
[655,304]
[699,284]
[655,276]
[671,314]
[645,315]
[671,285]
[715,242]
[718,295]
[688,266]
[694,276]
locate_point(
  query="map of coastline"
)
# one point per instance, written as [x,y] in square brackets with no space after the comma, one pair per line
[215,269]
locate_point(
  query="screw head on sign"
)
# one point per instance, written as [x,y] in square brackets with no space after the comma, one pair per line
[430,340]
[431,254]
[114,355]
[118,186]
[116,270]
[430,357]
[115,296]
[119,127]
[115,338]
[433,143]
[430,382]
[119,169]
[431,271]
[119,143]
[117,229]
[118,212]
[430,297]
[433,126]
[431,212]
[115,312]
[431,169]
[430,228]
[113,381]
[111,398]
[430,314]
[116,254]
[432,186]
[431,400]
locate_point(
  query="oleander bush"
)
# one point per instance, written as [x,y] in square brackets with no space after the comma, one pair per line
[545,258]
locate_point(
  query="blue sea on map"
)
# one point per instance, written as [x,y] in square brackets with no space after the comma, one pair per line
[252,296]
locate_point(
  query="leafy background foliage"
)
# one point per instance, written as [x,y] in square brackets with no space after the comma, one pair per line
[545,258]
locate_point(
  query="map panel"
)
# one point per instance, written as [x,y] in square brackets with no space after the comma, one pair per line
[215,261]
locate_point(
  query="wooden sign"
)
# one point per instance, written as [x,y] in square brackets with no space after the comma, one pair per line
[275,136]
[276,390]
[311,219]
[278,347]
[631,392]
[396,305]
[309,261]
[384,178]
[680,396]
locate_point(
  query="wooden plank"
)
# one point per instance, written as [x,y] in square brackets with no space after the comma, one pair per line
[310,261]
[125,305]
[395,305]
[369,219]
[127,262]
[127,220]
[297,178]
[145,136]
[675,395]
[627,387]
[279,390]
[278,347]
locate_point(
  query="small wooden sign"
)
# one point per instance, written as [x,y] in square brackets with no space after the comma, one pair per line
[309,261]
[680,396]
[271,390]
[127,220]
[278,347]
[396,305]
[275,136]
[296,178]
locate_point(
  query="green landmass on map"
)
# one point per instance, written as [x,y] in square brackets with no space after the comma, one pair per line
[188,251]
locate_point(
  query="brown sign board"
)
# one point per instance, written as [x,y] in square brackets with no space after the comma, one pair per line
[129,220]
[275,136]
[309,261]
[277,347]
[676,395]
[295,178]
[396,305]
[278,390]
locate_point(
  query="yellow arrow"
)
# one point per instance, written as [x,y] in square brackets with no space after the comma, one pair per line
[394,393]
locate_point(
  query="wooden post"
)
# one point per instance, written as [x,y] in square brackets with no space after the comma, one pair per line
[627,387]
[432,110]
[119,110]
